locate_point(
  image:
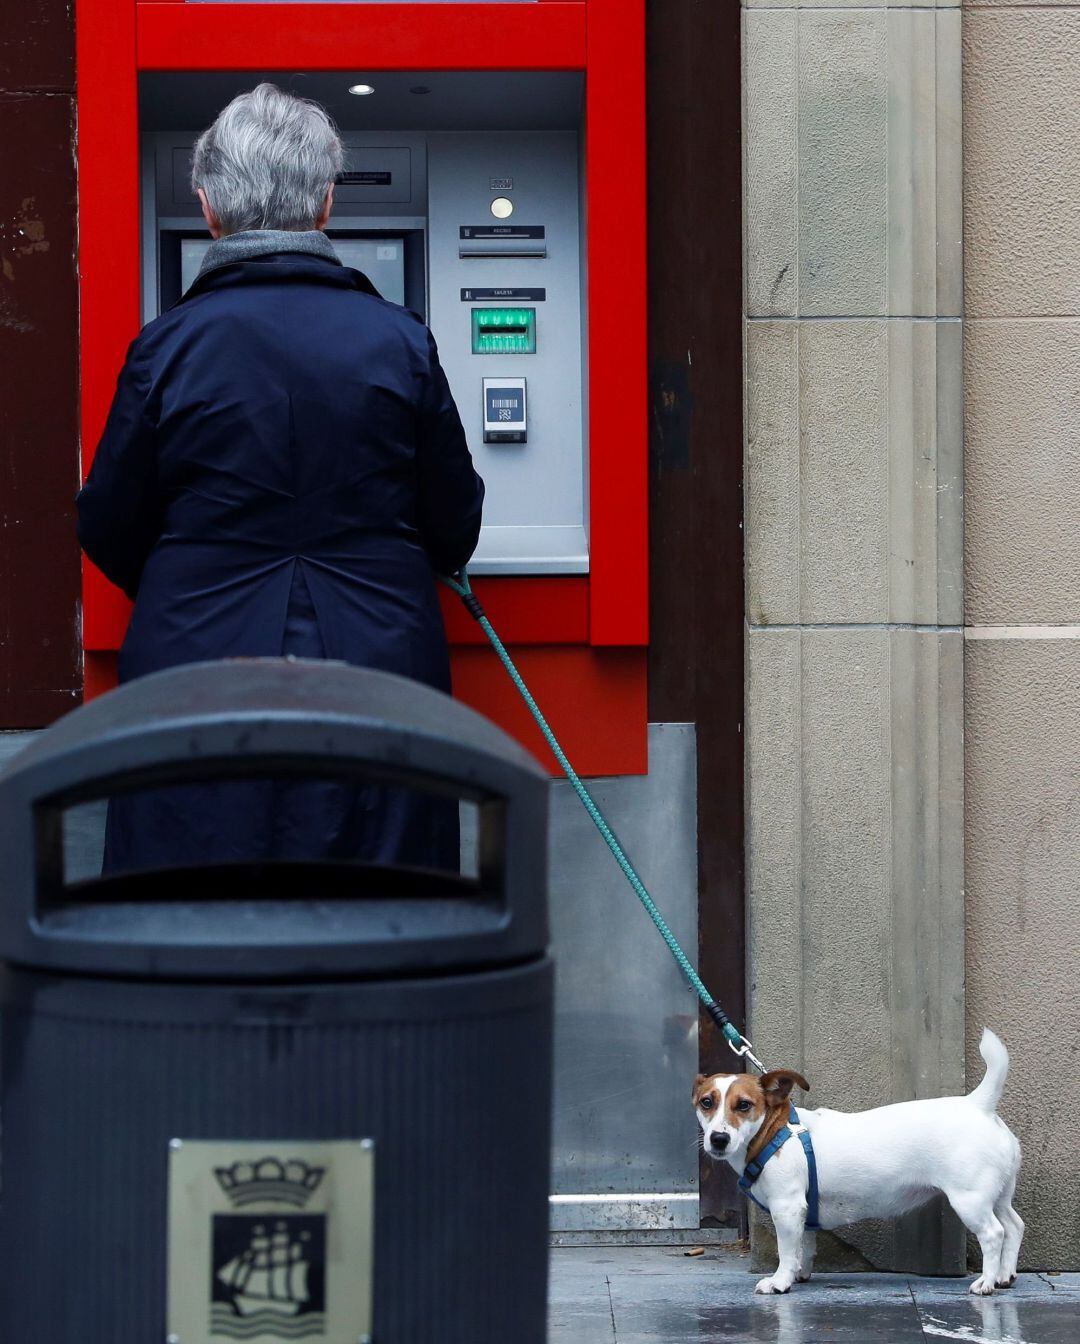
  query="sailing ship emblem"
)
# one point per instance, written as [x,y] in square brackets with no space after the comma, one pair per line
[268,1276]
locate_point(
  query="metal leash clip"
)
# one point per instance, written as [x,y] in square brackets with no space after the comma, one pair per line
[745,1051]
[731,1033]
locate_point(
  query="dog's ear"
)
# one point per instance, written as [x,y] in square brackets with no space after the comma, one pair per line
[777,1085]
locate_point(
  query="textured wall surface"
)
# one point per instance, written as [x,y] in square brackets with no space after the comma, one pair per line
[852,166]
[856,872]
[1022,472]
[854,471]
[856,866]
[1023,921]
[1022,566]
[1022,225]
[854,544]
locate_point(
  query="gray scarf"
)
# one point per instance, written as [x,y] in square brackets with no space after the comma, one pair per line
[262,243]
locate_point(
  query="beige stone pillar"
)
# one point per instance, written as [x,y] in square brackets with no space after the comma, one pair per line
[1022,562]
[853,541]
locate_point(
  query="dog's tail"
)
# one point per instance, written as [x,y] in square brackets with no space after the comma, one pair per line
[988,1093]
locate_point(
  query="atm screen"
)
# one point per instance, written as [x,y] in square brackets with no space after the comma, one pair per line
[382,260]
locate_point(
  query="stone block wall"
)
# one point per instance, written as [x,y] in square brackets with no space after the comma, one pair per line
[1022,564]
[873,665]
[854,547]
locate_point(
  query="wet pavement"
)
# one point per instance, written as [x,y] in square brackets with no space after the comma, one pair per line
[632,1295]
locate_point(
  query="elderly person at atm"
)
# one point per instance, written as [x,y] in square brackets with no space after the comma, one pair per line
[283,472]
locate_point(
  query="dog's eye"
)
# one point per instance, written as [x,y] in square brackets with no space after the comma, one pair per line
[743,1105]
[706,1103]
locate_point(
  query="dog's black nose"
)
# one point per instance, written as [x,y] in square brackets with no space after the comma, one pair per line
[720,1141]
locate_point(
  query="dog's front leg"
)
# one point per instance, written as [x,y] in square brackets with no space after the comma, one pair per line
[809,1249]
[789,1219]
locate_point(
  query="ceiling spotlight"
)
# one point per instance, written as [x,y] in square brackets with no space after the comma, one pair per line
[420,89]
[362,90]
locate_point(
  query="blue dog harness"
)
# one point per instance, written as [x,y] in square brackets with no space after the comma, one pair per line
[755,1168]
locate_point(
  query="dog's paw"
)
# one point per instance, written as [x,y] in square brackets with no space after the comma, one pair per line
[982,1287]
[771,1285]
[1006,1283]
[802,1277]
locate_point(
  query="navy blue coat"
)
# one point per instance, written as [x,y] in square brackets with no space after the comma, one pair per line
[283,471]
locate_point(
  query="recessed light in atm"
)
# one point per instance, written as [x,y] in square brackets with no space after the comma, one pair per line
[362,90]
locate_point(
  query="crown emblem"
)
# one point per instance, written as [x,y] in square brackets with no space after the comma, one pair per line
[292,1182]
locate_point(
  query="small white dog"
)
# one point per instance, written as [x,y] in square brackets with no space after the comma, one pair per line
[869,1164]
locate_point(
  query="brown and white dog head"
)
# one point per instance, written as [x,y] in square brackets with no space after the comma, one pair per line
[733,1108]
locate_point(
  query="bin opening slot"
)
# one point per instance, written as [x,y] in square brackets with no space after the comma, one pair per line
[359,834]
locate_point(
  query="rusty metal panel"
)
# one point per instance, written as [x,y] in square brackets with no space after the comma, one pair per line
[695,500]
[37,46]
[40,668]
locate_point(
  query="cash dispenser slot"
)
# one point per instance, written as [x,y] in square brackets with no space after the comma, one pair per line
[504,331]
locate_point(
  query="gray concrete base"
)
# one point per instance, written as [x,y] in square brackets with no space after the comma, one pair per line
[645,1296]
[656,1238]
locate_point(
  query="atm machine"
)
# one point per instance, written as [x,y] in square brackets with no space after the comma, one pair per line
[461,198]
[495,184]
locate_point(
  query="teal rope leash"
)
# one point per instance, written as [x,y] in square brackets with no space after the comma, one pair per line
[741,1046]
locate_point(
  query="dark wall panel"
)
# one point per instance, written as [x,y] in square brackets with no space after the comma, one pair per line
[696,554]
[37,46]
[40,663]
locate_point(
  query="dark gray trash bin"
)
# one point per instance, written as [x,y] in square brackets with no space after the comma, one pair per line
[177,1046]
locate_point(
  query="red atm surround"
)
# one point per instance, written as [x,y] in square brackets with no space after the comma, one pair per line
[580,641]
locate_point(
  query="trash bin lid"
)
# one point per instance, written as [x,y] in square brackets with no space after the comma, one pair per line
[265,920]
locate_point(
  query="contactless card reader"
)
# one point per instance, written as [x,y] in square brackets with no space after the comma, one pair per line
[506,417]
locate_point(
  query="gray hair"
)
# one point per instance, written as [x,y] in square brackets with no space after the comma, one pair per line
[267,161]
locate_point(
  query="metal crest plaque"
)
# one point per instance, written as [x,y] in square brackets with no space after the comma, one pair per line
[270,1241]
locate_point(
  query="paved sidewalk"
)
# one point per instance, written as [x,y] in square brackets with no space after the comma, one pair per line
[632,1295]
